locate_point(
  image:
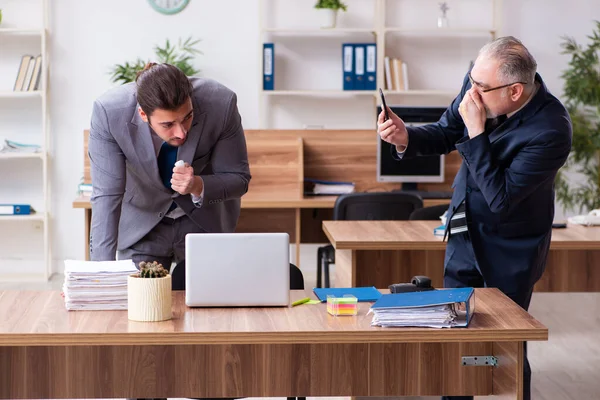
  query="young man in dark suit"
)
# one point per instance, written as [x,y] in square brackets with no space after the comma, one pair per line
[513,137]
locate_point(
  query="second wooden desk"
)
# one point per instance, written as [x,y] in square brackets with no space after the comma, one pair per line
[380,253]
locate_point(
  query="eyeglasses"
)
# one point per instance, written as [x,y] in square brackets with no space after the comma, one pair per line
[473,83]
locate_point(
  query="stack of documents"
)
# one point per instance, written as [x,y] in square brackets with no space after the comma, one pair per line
[97,285]
[444,308]
[320,187]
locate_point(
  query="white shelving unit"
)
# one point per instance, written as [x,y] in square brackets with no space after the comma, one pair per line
[27,103]
[382,32]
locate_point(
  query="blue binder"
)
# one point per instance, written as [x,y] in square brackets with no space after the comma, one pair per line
[361,293]
[268,66]
[371,66]
[15,209]
[462,298]
[359,67]
[348,66]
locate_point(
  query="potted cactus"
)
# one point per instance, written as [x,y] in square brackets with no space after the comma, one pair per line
[149,295]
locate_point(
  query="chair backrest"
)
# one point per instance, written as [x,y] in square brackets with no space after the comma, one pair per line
[296,278]
[376,206]
[428,213]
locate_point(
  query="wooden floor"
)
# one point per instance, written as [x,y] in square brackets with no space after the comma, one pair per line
[567,367]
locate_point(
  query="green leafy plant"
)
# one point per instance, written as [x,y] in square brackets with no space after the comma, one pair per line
[331,4]
[180,56]
[152,270]
[582,94]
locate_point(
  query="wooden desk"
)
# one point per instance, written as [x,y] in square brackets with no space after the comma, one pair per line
[48,352]
[383,252]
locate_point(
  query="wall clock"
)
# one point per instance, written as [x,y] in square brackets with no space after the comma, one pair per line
[168,6]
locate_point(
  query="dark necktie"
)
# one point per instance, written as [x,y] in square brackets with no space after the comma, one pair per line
[167,156]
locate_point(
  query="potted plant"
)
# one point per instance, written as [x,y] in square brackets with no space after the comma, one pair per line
[328,10]
[180,56]
[149,295]
[582,99]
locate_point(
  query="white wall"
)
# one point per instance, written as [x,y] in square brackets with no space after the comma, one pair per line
[88,37]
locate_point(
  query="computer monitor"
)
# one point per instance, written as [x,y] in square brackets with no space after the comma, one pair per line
[418,169]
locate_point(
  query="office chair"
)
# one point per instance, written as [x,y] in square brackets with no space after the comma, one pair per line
[296,278]
[375,206]
[428,213]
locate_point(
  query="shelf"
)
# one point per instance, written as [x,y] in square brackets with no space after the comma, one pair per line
[17,31]
[441,32]
[350,93]
[37,217]
[317,31]
[420,93]
[11,156]
[24,94]
[318,92]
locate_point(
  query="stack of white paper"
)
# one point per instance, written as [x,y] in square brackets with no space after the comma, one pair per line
[333,189]
[437,316]
[97,285]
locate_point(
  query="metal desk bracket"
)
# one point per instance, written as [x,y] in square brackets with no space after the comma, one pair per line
[485,361]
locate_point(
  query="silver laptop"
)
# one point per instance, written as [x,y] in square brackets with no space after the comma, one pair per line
[237,269]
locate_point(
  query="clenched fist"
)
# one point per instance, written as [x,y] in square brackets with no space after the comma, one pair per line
[185,182]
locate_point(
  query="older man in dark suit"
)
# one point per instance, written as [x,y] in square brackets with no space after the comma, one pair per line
[513,137]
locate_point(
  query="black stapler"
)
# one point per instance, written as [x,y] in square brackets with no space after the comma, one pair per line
[418,283]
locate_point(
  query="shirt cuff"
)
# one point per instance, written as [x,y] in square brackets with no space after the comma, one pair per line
[401,153]
[198,200]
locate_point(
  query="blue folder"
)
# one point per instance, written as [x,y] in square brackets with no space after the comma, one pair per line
[464,297]
[361,293]
[348,66]
[268,66]
[359,66]
[15,209]
[371,67]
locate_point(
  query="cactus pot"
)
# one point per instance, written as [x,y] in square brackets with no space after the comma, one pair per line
[149,299]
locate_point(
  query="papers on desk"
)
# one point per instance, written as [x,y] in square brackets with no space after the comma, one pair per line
[316,187]
[441,230]
[443,308]
[97,285]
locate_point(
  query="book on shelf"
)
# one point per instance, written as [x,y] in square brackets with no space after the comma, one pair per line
[10,146]
[396,74]
[29,74]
